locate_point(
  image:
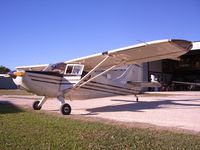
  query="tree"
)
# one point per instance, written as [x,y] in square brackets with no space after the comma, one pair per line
[4,70]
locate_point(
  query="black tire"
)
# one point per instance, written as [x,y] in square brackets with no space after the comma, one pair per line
[65,109]
[35,105]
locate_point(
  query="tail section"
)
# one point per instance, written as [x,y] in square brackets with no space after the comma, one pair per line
[132,73]
[133,76]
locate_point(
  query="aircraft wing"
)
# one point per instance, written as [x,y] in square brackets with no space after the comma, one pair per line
[32,67]
[136,54]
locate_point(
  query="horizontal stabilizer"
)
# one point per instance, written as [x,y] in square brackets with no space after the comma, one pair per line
[186,83]
[144,84]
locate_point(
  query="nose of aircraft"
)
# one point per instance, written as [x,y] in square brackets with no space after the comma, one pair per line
[14,74]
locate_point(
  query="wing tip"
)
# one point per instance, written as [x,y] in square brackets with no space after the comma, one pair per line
[105,53]
[186,45]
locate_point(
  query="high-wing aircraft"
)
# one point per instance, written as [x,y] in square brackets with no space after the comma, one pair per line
[85,78]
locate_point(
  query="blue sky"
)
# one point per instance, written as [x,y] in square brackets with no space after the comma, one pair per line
[48,31]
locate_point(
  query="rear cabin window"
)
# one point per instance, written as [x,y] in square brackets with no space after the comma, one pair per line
[77,70]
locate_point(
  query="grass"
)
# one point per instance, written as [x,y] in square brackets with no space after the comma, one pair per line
[23,129]
[13,92]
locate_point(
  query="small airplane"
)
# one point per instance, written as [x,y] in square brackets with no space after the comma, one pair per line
[84,78]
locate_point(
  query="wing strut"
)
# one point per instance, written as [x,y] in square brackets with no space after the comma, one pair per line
[97,75]
[91,71]
[83,82]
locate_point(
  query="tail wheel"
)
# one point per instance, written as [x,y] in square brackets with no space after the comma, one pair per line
[35,105]
[65,109]
[137,99]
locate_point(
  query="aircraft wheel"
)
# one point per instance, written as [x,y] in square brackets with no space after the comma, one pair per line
[35,105]
[65,109]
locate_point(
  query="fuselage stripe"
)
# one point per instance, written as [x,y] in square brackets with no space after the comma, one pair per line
[111,88]
[88,88]
[51,82]
[42,77]
[110,85]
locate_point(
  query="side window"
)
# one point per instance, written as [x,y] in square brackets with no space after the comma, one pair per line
[69,69]
[74,69]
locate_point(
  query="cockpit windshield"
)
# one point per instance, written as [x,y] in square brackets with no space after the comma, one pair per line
[58,67]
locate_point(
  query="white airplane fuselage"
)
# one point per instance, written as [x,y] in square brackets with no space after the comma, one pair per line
[51,84]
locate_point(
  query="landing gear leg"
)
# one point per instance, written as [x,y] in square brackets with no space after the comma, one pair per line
[65,108]
[37,105]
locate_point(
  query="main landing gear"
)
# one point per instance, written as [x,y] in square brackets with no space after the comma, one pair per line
[65,109]
[37,105]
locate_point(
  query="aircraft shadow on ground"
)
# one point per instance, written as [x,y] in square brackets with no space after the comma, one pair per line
[7,107]
[145,105]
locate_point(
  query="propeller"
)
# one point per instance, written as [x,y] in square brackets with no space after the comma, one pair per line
[14,74]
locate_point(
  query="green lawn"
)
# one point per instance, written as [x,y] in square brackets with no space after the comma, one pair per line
[22,129]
